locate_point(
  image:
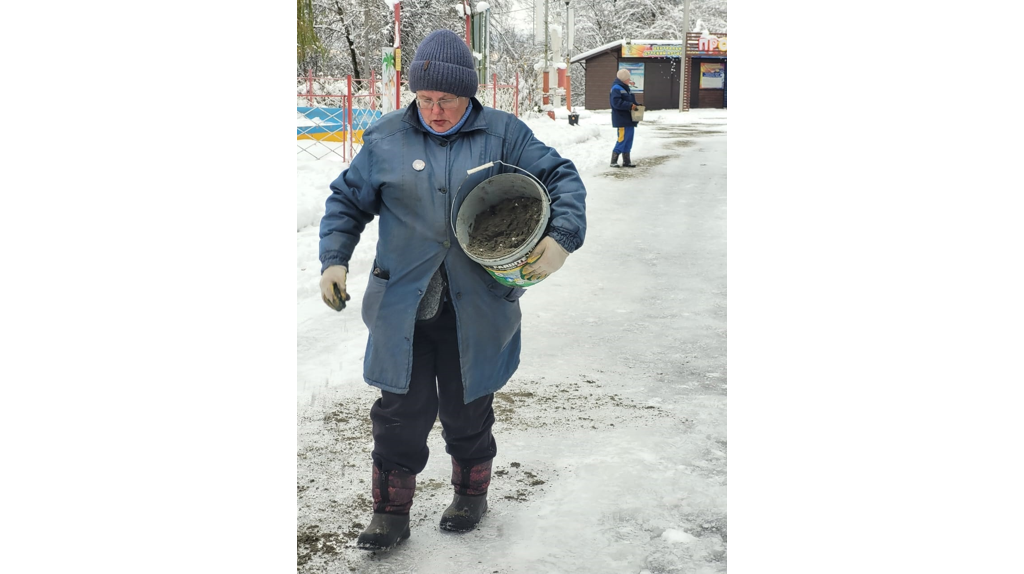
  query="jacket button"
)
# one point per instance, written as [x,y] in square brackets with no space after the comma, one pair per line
[444,143]
[443,189]
[458,295]
[447,244]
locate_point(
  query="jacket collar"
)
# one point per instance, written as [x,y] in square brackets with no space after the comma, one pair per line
[621,83]
[475,121]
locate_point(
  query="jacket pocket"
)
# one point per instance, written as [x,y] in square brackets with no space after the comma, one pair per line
[514,293]
[502,291]
[371,299]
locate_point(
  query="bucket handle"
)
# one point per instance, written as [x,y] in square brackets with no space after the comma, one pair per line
[470,172]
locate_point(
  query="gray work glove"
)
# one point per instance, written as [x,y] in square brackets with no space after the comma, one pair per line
[332,287]
[544,260]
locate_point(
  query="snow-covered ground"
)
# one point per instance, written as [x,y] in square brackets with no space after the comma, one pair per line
[612,434]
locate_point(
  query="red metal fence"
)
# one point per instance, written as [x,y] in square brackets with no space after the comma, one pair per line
[333,112]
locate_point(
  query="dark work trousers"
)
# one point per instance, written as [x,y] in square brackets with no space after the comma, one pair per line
[401,423]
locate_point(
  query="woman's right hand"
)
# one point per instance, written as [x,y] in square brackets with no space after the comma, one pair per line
[332,287]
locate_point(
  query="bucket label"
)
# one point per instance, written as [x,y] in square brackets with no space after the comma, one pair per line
[510,274]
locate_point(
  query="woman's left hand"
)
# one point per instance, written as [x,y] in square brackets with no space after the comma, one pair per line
[544,260]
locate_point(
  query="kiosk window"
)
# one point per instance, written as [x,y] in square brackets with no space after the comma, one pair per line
[712,76]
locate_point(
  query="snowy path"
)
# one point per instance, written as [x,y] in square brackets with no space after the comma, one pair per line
[612,434]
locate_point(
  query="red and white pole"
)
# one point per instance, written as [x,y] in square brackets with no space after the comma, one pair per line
[517,94]
[348,113]
[309,87]
[373,89]
[568,89]
[398,56]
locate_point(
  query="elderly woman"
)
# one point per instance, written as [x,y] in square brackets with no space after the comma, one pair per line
[443,334]
[622,102]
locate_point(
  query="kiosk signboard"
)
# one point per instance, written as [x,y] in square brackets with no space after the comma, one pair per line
[652,50]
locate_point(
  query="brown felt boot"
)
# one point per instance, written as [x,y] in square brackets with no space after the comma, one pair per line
[470,501]
[615,159]
[625,160]
[392,499]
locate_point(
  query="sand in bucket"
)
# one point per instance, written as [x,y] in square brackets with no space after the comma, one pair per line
[499,224]
[504,227]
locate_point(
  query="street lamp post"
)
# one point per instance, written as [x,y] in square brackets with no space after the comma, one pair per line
[569,25]
[682,55]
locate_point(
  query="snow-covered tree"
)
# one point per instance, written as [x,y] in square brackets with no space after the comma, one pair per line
[353,32]
[599,22]
[712,12]
[307,44]
[513,50]
[603,21]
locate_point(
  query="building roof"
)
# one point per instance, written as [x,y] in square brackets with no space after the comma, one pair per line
[616,44]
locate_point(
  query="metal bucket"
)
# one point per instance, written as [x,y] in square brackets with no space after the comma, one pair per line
[507,269]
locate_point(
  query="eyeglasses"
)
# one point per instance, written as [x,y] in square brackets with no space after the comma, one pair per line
[445,104]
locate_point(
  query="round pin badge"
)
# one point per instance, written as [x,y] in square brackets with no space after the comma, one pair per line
[418,165]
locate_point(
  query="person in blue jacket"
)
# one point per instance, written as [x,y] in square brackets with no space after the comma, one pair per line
[444,335]
[622,102]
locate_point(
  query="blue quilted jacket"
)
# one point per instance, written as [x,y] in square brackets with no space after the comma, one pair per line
[622,101]
[415,237]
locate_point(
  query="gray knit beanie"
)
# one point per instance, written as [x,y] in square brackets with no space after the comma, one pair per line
[443,63]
